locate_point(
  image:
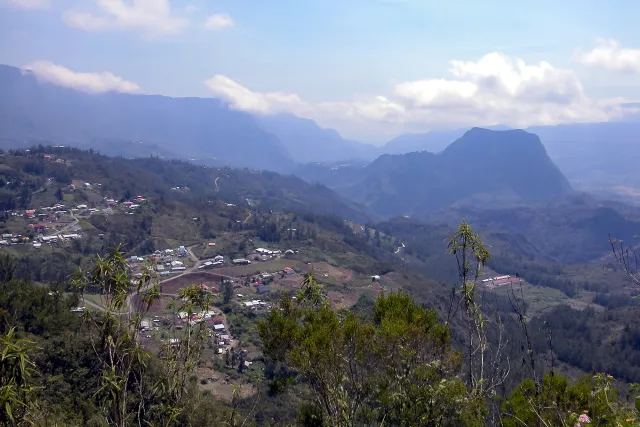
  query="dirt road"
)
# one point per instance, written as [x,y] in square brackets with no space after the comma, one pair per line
[247,218]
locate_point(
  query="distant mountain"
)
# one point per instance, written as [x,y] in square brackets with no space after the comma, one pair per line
[133,125]
[308,142]
[595,153]
[434,141]
[484,167]
[595,157]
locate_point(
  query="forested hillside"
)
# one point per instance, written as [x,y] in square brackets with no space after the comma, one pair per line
[132,125]
[500,168]
[385,305]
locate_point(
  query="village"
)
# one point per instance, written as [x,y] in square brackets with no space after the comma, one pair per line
[61,222]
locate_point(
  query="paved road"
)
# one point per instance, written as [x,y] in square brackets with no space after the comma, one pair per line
[216,183]
[66,227]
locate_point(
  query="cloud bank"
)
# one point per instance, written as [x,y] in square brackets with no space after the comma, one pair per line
[86,82]
[493,89]
[608,54]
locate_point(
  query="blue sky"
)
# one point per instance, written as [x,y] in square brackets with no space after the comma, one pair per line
[370,68]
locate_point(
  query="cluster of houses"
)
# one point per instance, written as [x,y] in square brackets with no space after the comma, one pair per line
[88,186]
[13,239]
[165,261]
[266,254]
[9,239]
[214,323]
[129,205]
[217,261]
[263,251]
[47,212]
[256,304]
[263,254]
[493,282]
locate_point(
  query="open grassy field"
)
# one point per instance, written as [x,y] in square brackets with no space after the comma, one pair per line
[541,298]
[172,285]
[270,266]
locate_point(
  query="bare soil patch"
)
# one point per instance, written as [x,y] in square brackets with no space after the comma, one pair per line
[171,286]
[221,387]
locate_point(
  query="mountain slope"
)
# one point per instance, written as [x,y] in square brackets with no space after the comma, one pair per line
[568,229]
[157,178]
[430,141]
[434,141]
[482,167]
[594,153]
[133,125]
[308,142]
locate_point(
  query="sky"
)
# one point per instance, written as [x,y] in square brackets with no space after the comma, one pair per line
[372,69]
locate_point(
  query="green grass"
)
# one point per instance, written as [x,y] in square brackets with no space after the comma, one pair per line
[262,267]
[540,298]
[84,225]
[94,298]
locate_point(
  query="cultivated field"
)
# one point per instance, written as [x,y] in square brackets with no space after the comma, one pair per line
[172,285]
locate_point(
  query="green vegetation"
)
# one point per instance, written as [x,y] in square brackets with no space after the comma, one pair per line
[426,343]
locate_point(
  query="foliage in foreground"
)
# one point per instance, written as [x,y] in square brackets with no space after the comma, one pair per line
[398,368]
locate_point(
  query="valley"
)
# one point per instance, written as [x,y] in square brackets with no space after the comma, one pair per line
[247,239]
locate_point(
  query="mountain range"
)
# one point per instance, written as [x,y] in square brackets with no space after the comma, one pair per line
[483,167]
[594,156]
[133,125]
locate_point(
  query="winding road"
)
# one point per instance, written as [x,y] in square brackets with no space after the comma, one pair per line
[247,218]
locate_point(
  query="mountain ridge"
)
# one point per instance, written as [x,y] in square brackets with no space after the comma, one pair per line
[133,125]
[502,166]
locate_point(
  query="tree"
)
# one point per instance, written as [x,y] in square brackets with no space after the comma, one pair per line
[117,344]
[59,195]
[18,390]
[398,369]
[627,259]
[485,369]
[126,392]
[555,402]
[227,291]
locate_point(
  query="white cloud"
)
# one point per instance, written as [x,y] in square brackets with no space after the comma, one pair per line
[241,98]
[152,18]
[218,21]
[86,82]
[191,8]
[31,4]
[494,89]
[610,55]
